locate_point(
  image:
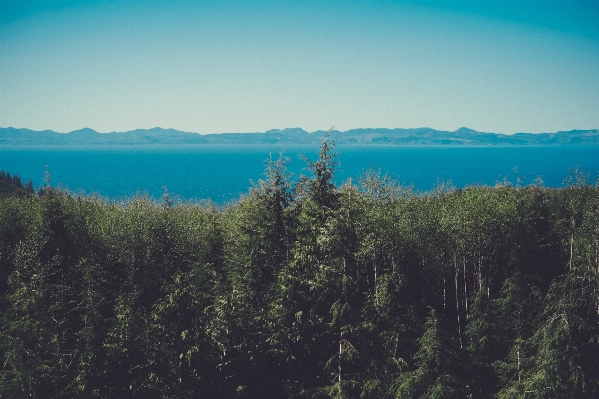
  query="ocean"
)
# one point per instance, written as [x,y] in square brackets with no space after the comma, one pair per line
[223,173]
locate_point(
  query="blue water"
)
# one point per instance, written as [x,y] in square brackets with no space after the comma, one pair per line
[223,173]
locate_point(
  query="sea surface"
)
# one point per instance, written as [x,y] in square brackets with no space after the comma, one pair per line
[223,173]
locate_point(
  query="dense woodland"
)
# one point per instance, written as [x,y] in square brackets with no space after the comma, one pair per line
[13,186]
[306,290]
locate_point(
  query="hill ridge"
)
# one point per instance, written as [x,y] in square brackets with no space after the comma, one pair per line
[297,136]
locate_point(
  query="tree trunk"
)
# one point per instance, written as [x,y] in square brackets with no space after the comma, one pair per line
[465,288]
[457,299]
[444,293]
[340,354]
[572,244]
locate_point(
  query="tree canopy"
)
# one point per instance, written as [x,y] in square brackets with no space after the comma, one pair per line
[303,290]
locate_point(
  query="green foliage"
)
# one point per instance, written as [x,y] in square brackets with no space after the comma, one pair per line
[12,185]
[518,308]
[567,339]
[437,372]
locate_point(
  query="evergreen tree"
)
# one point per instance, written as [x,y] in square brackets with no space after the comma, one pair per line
[518,307]
[483,346]
[438,368]
[567,341]
[12,185]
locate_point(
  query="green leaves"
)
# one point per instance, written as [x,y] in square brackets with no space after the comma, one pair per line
[438,368]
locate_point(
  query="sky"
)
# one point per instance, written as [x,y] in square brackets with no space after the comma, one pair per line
[501,66]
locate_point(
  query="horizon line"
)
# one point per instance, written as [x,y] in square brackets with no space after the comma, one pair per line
[297,127]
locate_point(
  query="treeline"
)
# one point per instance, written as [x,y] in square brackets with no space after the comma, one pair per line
[12,185]
[366,290]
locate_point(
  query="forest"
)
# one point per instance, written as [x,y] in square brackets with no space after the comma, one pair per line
[303,290]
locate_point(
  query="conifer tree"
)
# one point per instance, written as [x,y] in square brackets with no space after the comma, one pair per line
[518,307]
[438,366]
[567,340]
[483,346]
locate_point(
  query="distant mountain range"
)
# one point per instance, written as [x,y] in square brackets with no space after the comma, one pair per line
[297,136]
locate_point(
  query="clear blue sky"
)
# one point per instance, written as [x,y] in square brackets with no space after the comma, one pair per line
[240,66]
